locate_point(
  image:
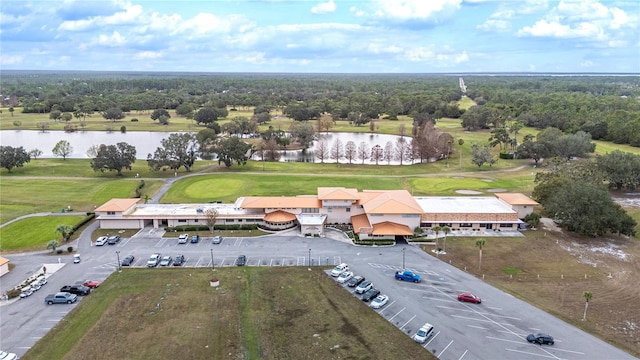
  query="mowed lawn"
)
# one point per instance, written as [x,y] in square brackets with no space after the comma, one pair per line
[255,313]
[34,233]
[21,196]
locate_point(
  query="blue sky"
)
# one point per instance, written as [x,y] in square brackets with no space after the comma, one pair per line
[337,36]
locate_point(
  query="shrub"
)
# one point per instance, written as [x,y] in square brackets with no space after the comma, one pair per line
[123,129]
[70,249]
[13,293]
[506,155]
[59,251]
[134,120]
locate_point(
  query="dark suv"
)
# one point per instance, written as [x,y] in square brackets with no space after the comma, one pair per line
[540,338]
[195,239]
[76,289]
[241,260]
[370,295]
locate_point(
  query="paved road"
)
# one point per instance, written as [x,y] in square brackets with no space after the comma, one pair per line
[494,329]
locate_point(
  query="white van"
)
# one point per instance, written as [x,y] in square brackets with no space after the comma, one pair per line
[425,332]
[76,258]
[339,269]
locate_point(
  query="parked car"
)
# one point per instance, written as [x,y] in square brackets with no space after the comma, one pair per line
[540,338]
[166,260]
[370,295]
[425,332]
[195,239]
[469,297]
[112,240]
[241,260]
[154,260]
[339,269]
[364,287]
[183,238]
[408,275]
[42,281]
[101,241]
[35,286]
[355,281]
[344,277]
[128,261]
[379,301]
[178,261]
[26,292]
[217,239]
[61,298]
[76,289]
[8,356]
[91,283]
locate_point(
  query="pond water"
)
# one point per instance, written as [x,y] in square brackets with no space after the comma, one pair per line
[146,142]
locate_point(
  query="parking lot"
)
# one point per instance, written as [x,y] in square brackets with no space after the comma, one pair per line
[494,329]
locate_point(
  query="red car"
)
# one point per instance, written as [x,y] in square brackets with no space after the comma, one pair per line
[469,297]
[91,283]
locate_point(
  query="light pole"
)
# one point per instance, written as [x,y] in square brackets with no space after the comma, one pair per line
[403,257]
[119,265]
[213,264]
[310,258]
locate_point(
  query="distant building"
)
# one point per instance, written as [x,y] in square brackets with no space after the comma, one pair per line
[373,214]
[4,266]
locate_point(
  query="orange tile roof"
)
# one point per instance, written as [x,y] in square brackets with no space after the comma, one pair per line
[359,222]
[279,216]
[337,193]
[516,199]
[280,202]
[391,228]
[389,202]
[3,260]
[117,205]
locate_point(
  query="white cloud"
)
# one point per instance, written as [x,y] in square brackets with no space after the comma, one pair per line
[324,8]
[403,10]
[494,25]
[113,40]
[543,28]
[130,15]
[205,24]
[460,58]
[11,60]
[145,55]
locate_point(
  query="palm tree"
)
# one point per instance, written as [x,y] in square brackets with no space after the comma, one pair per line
[587,295]
[146,198]
[437,229]
[52,245]
[445,230]
[65,231]
[480,243]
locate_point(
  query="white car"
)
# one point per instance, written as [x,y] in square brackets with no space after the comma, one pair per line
[379,301]
[344,277]
[339,269]
[154,260]
[183,238]
[364,287]
[7,356]
[101,241]
[425,332]
[166,260]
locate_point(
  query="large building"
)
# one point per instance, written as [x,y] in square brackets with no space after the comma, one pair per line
[373,214]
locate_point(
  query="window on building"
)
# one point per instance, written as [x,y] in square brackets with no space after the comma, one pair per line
[466,225]
[111,212]
[506,225]
[348,210]
[182,220]
[483,225]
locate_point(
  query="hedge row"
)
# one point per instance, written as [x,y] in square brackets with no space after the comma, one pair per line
[139,189]
[206,228]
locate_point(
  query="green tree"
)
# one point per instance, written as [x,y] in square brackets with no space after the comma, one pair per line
[11,157]
[186,110]
[11,110]
[114,157]
[52,245]
[63,148]
[158,113]
[481,155]
[587,295]
[35,153]
[113,114]
[533,220]
[437,230]
[206,115]
[303,133]
[65,231]
[445,230]
[66,116]
[621,169]
[232,149]
[179,149]
[55,115]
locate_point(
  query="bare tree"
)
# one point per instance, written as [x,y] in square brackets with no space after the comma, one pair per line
[212,218]
[377,154]
[322,149]
[388,152]
[480,243]
[363,151]
[400,151]
[350,151]
[337,150]
[402,129]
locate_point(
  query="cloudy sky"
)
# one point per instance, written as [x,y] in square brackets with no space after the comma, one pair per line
[338,36]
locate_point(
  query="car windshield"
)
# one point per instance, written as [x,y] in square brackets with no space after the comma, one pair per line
[421,333]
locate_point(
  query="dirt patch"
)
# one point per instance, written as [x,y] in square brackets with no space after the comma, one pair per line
[468,192]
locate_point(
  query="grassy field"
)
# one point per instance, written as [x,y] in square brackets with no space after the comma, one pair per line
[551,270]
[34,233]
[21,196]
[256,313]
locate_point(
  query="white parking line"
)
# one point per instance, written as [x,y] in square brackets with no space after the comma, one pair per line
[463,354]
[445,349]
[479,327]
[478,312]
[484,320]
[500,339]
[405,324]
[398,313]
[386,307]
[533,354]
[433,338]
